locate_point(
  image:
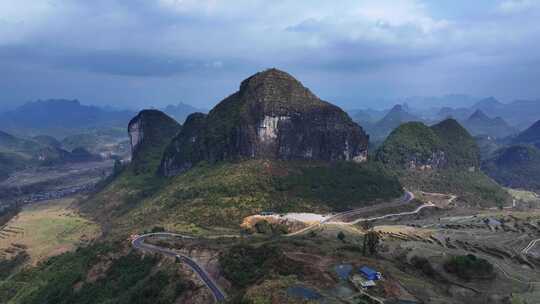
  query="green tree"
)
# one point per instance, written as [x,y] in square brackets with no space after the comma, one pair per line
[371,241]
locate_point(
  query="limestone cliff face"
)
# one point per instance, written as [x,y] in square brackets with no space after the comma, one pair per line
[150,132]
[435,160]
[136,134]
[272,116]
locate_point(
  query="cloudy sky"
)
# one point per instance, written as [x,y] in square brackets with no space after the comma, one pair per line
[137,53]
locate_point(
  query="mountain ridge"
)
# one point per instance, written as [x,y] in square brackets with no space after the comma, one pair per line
[60,117]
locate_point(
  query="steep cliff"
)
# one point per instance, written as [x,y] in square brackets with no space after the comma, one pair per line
[272,116]
[150,132]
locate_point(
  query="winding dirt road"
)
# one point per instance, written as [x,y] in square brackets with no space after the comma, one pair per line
[407,198]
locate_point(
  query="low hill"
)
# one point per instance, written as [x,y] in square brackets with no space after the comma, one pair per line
[460,147]
[9,142]
[442,158]
[105,142]
[480,124]
[516,167]
[414,145]
[9,163]
[530,136]
[219,196]
[48,141]
[17,153]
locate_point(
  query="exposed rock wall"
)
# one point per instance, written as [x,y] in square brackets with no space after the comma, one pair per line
[437,160]
[150,132]
[272,116]
[136,134]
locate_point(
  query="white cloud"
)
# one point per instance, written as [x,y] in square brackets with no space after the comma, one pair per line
[20,18]
[359,38]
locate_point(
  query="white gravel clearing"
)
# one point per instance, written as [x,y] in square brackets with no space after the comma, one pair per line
[304,217]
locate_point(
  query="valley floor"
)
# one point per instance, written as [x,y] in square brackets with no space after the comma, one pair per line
[46,229]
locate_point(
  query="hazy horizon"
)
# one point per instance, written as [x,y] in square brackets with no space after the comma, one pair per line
[356,54]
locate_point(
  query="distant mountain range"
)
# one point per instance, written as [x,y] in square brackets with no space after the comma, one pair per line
[393,119]
[61,118]
[431,102]
[181,111]
[18,153]
[519,114]
[480,124]
[487,117]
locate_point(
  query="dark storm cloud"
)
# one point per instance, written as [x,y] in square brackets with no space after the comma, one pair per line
[161,51]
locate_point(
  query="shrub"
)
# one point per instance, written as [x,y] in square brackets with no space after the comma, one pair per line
[470,267]
[244,265]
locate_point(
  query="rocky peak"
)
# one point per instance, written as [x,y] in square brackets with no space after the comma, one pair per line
[273,83]
[276,92]
[271,116]
[149,132]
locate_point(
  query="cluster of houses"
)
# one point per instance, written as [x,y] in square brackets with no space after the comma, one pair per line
[365,278]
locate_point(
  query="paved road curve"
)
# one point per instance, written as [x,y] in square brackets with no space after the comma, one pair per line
[139,243]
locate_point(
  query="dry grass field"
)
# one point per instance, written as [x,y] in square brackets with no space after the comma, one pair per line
[46,229]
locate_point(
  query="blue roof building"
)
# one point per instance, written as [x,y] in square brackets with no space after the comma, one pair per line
[370,274]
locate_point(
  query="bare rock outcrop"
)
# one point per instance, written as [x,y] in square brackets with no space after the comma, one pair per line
[150,132]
